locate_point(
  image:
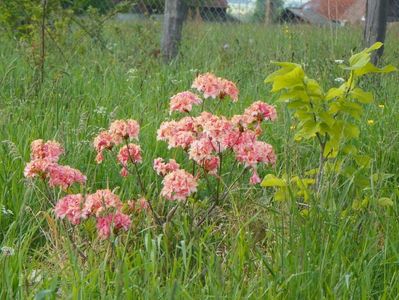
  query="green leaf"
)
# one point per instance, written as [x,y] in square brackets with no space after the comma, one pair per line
[370,68]
[351,131]
[385,202]
[296,104]
[362,160]
[313,88]
[311,172]
[353,109]
[308,130]
[285,68]
[281,194]
[296,93]
[336,92]
[349,149]
[375,46]
[358,61]
[288,80]
[271,180]
[327,118]
[362,96]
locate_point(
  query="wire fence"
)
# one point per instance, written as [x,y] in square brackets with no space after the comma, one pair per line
[316,12]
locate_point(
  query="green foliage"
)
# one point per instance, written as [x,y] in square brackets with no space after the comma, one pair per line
[331,118]
[255,248]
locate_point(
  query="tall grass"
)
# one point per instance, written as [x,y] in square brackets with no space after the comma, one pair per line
[252,248]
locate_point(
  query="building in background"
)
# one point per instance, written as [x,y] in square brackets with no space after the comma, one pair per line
[334,11]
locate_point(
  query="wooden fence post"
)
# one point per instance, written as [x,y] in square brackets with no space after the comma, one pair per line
[175,13]
[376,24]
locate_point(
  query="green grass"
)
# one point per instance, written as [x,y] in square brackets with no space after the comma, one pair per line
[252,247]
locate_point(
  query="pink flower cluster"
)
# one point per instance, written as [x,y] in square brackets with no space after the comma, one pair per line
[215,87]
[177,184]
[163,168]
[184,101]
[130,152]
[44,164]
[206,136]
[137,206]
[103,205]
[120,131]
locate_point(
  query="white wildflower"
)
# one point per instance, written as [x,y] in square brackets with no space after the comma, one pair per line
[7,251]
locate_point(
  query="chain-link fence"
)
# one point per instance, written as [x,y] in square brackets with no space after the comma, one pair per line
[214,10]
[317,12]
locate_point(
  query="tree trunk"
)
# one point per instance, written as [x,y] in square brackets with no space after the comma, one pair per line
[376,24]
[175,12]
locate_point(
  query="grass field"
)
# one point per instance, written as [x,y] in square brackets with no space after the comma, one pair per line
[252,247]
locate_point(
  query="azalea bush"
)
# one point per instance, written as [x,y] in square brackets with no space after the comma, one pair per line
[219,152]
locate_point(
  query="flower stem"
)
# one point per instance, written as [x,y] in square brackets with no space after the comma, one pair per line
[142,186]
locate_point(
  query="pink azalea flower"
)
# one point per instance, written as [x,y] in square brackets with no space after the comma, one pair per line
[215,87]
[255,179]
[178,134]
[162,168]
[230,89]
[124,129]
[37,167]
[50,150]
[104,227]
[211,164]
[178,185]
[101,142]
[70,207]
[129,153]
[251,152]
[117,221]
[64,176]
[143,204]
[200,150]
[260,111]
[183,102]
[99,201]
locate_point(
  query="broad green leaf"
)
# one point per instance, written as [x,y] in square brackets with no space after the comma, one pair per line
[358,61]
[327,118]
[353,109]
[336,92]
[373,47]
[351,131]
[385,202]
[281,194]
[308,130]
[285,68]
[271,180]
[311,172]
[362,160]
[331,149]
[349,149]
[362,96]
[294,94]
[288,80]
[304,115]
[370,68]
[296,104]
[313,88]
